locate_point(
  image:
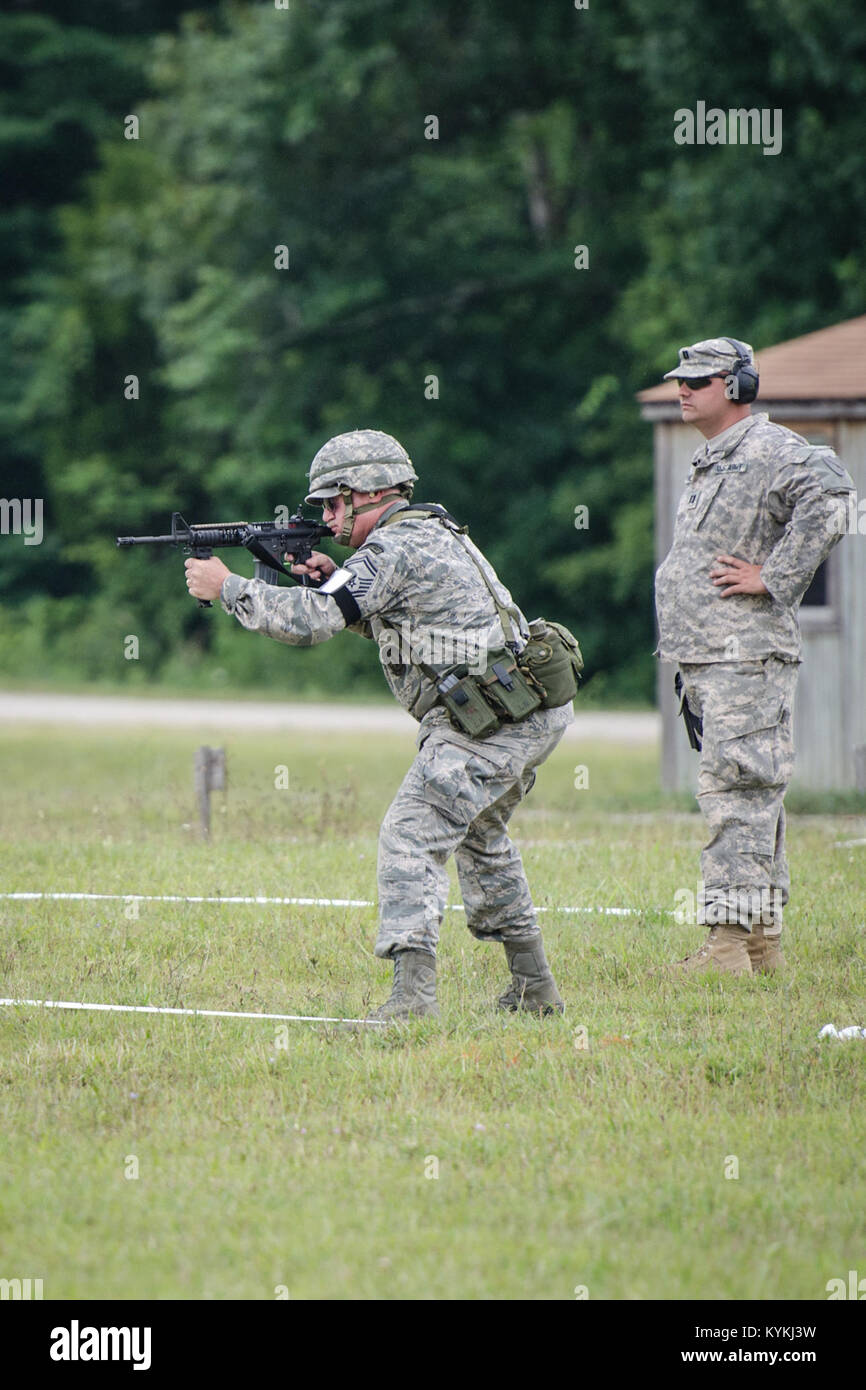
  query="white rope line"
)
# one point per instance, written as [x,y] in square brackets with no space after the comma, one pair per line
[189,1013]
[284,902]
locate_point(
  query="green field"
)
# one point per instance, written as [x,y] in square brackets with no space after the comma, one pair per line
[309,1166]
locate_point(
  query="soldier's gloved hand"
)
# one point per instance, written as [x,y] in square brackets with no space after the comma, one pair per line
[739,576]
[318,567]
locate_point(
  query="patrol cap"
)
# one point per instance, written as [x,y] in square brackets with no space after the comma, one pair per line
[363,460]
[712,357]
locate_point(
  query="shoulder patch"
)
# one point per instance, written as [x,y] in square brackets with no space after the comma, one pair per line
[823,461]
[810,453]
[829,460]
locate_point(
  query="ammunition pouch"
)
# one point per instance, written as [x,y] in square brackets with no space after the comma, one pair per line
[479,704]
[469,711]
[508,686]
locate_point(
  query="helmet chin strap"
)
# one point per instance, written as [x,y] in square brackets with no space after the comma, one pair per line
[345,536]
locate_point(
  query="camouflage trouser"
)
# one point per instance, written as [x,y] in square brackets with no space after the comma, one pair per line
[457,798]
[746,764]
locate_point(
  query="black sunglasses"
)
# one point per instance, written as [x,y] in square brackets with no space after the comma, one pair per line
[698,383]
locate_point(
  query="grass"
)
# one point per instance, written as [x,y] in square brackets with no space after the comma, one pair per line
[304,1158]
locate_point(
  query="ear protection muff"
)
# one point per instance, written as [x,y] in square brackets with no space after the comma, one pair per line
[745,373]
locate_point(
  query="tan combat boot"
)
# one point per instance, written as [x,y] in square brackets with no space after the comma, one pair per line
[725,949]
[414,992]
[765,952]
[533,988]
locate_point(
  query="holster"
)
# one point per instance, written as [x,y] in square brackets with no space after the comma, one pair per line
[694,725]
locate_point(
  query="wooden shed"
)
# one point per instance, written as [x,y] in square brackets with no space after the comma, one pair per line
[815,385]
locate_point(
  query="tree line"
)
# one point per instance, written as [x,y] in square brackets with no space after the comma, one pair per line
[232,232]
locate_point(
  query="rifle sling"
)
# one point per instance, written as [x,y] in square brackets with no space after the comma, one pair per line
[428,509]
[264,556]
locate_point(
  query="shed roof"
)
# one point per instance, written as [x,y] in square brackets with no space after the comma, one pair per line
[829,365]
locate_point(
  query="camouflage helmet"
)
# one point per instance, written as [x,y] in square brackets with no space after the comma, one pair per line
[363,461]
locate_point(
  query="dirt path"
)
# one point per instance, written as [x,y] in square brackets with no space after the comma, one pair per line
[119,710]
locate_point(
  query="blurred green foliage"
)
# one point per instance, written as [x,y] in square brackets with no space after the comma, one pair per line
[409,257]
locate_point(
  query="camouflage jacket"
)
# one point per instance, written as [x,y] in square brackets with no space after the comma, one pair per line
[764,494]
[419,596]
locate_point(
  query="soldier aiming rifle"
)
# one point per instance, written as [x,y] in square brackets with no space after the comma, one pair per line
[486,721]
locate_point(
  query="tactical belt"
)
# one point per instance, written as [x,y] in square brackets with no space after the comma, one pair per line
[512,684]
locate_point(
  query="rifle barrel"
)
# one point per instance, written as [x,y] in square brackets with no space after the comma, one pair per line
[221,536]
[148,540]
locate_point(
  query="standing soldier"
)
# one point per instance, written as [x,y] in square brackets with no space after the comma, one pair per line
[761,510]
[421,589]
